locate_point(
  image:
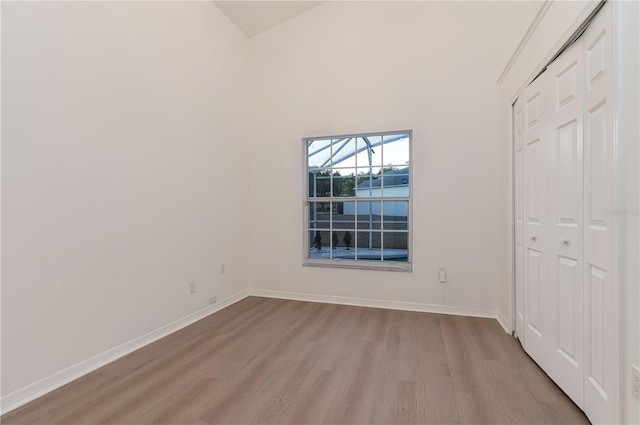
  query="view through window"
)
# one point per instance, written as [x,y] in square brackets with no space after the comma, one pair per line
[358,203]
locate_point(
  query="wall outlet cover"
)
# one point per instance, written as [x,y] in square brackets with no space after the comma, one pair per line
[442,274]
[635,381]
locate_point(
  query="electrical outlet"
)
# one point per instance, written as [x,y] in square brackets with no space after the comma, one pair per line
[221,268]
[192,287]
[635,381]
[212,300]
[442,274]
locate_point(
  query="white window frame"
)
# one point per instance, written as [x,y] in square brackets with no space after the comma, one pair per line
[405,266]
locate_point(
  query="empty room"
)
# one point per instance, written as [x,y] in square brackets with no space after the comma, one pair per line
[320,212]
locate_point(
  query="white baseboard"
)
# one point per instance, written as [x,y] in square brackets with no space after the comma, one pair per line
[32,391]
[367,302]
[504,322]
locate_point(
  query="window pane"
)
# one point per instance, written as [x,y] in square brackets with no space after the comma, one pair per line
[344,182]
[341,249]
[319,214]
[319,244]
[396,215]
[369,215]
[349,208]
[343,219]
[396,246]
[320,183]
[395,181]
[396,150]
[347,239]
[343,151]
[369,182]
[369,151]
[368,243]
[319,153]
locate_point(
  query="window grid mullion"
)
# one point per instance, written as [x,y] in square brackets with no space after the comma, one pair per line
[331,225]
[359,198]
[382,168]
[355,212]
[382,209]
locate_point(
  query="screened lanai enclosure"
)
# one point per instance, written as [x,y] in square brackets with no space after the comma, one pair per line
[359,197]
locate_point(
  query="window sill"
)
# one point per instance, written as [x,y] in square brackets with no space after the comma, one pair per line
[389,266]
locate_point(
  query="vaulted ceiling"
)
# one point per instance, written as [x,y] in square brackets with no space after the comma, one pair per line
[254,17]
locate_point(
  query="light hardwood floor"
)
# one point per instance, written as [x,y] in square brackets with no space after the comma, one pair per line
[282,362]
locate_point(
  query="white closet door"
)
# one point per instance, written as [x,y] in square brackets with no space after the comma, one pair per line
[601,292]
[519,218]
[565,208]
[535,194]
[569,158]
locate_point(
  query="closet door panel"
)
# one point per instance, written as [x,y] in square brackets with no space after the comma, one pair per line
[597,169]
[568,341]
[566,221]
[536,311]
[569,161]
[601,294]
[519,218]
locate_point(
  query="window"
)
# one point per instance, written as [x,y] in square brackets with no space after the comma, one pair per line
[358,201]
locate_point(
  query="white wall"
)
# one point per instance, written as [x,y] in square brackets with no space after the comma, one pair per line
[122,125]
[348,67]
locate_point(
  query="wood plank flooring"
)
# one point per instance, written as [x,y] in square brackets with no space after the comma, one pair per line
[270,361]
